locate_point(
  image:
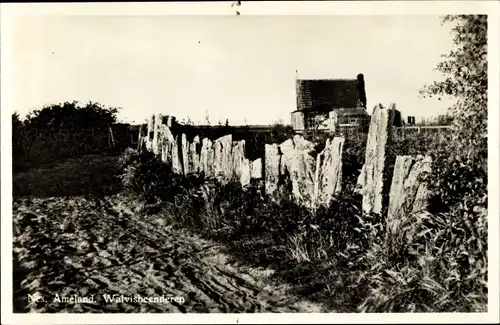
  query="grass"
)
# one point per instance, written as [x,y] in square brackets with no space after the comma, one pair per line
[302,248]
[89,175]
[337,259]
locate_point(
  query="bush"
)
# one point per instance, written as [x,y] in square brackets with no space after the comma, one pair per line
[353,158]
[153,181]
[330,232]
[436,262]
[62,131]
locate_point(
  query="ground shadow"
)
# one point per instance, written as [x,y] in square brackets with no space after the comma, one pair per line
[86,175]
[20,300]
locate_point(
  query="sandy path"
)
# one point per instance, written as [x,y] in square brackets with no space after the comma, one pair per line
[88,246]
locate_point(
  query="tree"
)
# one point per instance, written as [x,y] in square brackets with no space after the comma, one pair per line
[17,135]
[458,180]
[17,124]
[444,119]
[62,130]
[71,117]
[460,176]
[466,71]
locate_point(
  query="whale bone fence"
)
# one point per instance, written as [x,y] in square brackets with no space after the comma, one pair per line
[312,179]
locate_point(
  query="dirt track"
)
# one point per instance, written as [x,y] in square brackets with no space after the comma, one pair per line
[87,246]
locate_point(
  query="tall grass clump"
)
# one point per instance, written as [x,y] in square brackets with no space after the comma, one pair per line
[149,179]
[437,261]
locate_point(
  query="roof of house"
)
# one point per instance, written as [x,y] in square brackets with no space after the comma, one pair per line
[134,127]
[313,94]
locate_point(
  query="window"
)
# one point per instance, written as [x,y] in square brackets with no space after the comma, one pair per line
[310,122]
[343,120]
[315,120]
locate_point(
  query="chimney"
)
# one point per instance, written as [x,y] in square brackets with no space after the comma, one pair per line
[360,84]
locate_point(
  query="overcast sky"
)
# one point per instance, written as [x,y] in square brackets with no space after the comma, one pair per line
[237,67]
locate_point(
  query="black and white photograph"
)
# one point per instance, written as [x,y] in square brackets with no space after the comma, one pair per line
[244,162]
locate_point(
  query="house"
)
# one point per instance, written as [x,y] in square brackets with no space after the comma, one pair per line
[327,104]
[350,117]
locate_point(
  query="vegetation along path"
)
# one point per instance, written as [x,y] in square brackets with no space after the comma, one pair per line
[90,244]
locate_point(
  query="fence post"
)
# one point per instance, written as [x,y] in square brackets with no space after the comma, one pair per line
[139,138]
[371,179]
[111,136]
[408,191]
[271,167]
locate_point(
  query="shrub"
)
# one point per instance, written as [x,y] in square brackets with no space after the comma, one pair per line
[150,179]
[353,158]
[436,262]
[228,211]
[329,232]
[62,131]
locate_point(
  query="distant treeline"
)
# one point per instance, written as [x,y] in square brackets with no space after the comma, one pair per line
[255,136]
